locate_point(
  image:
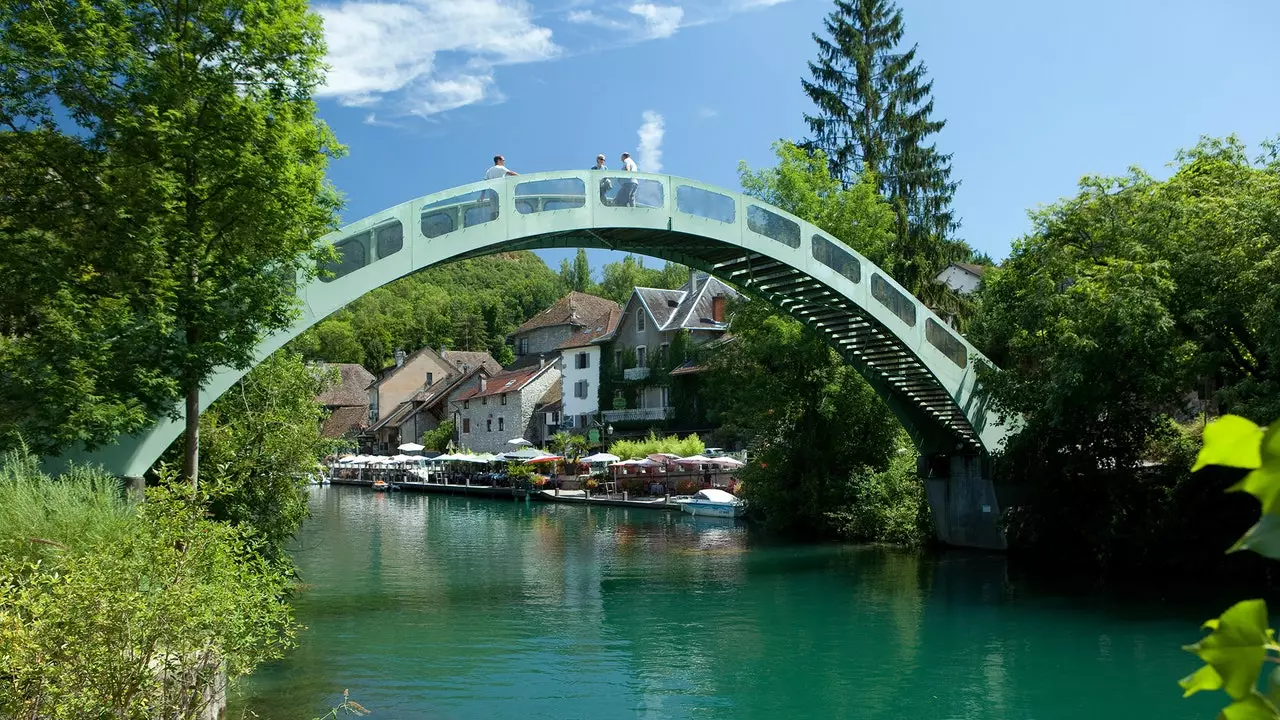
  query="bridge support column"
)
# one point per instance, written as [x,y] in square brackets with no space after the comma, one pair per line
[962,499]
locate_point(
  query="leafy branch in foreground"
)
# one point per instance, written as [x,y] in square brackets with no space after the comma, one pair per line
[1240,643]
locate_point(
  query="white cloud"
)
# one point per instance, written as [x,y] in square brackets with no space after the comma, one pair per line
[423,57]
[649,151]
[380,48]
[660,21]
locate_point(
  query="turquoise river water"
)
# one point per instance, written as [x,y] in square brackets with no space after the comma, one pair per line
[447,607]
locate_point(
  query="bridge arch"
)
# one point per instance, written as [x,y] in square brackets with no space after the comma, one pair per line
[924,370]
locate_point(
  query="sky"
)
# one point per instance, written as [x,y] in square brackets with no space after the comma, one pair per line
[1035,94]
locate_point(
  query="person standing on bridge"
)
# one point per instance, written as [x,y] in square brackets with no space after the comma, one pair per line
[605,183]
[499,169]
[627,193]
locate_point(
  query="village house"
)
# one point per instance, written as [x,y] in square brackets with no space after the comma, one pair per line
[543,335]
[643,367]
[412,397]
[579,360]
[345,400]
[964,278]
[502,407]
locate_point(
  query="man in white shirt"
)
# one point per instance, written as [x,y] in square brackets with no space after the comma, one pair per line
[627,193]
[499,169]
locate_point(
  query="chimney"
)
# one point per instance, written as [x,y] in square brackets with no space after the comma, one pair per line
[484,383]
[717,308]
[399,358]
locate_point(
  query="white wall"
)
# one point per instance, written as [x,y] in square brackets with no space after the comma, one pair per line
[570,375]
[959,280]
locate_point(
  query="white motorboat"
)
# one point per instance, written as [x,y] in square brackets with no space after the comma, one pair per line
[713,503]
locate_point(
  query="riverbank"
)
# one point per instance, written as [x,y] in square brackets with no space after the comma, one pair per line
[571,497]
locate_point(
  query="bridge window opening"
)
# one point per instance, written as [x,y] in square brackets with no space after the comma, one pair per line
[353,254]
[445,216]
[631,192]
[894,299]
[555,194]
[836,258]
[772,225]
[706,204]
[946,343]
[389,239]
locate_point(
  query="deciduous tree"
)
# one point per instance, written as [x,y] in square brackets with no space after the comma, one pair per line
[172,153]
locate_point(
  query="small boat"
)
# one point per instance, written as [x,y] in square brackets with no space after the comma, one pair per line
[384,485]
[713,503]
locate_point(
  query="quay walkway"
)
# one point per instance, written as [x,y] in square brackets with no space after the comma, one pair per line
[570,497]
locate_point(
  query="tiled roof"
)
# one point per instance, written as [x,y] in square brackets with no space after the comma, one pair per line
[550,399]
[349,391]
[603,327]
[972,268]
[578,309]
[459,358]
[689,368]
[532,360]
[345,421]
[505,382]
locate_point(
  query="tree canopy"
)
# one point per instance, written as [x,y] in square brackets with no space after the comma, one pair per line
[164,185]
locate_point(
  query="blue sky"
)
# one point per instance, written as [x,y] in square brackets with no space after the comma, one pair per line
[1035,94]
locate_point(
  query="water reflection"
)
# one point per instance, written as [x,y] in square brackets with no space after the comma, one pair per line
[431,606]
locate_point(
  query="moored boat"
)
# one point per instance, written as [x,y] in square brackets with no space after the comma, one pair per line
[713,503]
[384,485]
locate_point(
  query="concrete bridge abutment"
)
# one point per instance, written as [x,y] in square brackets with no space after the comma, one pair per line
[963,501]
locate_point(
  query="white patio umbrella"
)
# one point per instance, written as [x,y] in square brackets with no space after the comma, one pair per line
[519,441]
[599,458]
[411,447]
[727,462]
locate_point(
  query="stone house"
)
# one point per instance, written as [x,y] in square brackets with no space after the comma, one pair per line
[642,366]
[412,397]
[502,407]
[542,336]
[346,401]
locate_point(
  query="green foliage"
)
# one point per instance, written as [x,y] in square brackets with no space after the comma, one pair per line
[465,305]
[576,276]
[874,116]
[138,626]
[439,437]
[887,505]
[569,445]
[262,445]
[820,433]
[1125,301]
[618,279]
[800,184]
[637,449]
[41,516]
[164,185]
[1240,641]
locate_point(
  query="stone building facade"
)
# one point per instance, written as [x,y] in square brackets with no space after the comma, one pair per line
[501,408]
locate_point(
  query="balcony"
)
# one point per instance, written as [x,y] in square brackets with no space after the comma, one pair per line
[636,373]
[634,414]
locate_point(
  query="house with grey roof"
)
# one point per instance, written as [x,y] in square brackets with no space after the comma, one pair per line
[658,334]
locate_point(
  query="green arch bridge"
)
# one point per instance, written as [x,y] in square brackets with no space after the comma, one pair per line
[920,366]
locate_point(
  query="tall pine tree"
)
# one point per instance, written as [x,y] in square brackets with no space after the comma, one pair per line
[874,113]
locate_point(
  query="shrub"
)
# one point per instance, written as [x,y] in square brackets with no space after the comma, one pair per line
[140,626]
[684,447]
